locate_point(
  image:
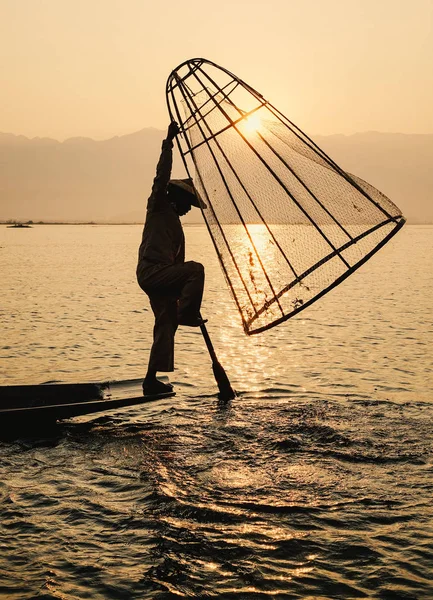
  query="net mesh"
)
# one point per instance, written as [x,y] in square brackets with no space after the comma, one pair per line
[287,223]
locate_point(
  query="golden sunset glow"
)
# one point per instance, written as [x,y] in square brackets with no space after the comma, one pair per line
[216,253]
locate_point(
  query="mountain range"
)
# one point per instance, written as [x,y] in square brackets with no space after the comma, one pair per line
[108,181]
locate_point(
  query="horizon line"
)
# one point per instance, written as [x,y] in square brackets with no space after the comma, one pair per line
[116,136]
[32,223]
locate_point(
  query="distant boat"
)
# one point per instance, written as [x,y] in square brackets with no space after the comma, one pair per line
[19,226]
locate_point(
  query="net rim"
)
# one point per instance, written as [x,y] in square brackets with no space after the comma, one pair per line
[399,222]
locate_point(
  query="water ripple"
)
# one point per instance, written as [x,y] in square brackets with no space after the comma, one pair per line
[315,483]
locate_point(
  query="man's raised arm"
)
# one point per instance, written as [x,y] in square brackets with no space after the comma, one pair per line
[163,170]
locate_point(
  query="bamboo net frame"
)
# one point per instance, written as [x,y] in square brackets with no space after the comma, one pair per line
[288,224]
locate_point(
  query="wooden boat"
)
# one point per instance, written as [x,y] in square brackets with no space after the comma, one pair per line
[53,401]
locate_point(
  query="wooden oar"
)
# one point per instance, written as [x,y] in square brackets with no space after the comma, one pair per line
[226,392]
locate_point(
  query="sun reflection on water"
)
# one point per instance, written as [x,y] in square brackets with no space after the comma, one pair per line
[261,238]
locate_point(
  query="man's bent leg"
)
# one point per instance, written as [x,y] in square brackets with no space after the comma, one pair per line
[186,281]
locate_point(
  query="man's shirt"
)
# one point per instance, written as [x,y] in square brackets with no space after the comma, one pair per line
[163,240]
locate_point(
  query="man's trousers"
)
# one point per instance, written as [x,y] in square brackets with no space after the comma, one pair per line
[175,293]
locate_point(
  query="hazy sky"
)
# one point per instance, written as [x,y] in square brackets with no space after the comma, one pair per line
[98,67]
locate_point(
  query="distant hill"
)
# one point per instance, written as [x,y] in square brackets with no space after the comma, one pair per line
[81,179]
[78,179]
[399,165]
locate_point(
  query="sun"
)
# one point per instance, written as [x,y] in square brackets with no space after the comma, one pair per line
[250,124]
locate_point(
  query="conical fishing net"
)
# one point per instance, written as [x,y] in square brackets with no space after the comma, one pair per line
[288,224]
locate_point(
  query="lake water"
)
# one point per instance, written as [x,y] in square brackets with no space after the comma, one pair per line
[316,482]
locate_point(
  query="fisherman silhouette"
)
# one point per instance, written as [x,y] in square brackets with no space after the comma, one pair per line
[174,287]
